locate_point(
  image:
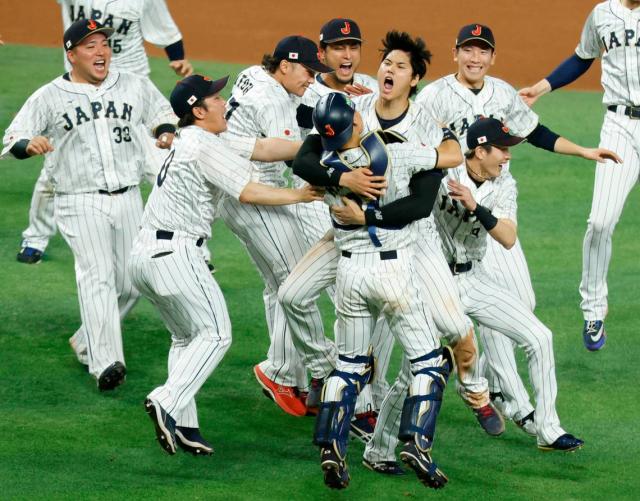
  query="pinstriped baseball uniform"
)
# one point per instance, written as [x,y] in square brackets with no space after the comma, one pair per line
[612,32]
[135,21]
[200,169]
[96,133]
[318,268]
[464,240]
[450,102]
[314,217]
[261,107]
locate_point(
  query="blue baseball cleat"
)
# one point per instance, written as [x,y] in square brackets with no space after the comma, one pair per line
[29,255]
[594,335]
[564,443]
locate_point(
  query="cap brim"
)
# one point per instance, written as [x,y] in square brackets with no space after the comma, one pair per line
[492,45]
[105,30]
[340,39]
[508,141]
[217,85]
[336,142]
[316,66]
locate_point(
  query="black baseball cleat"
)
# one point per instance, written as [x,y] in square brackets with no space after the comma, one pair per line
[564,443]
[490,419]
[164,424]
[112,377]
[527,424]
[190,440]
[29,255]
[390,468]
[336,473]
[421,463]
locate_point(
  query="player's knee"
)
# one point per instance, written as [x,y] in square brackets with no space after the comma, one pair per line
[601,224]
[288,296]
[221,339]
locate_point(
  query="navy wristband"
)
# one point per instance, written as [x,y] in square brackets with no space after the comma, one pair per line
[488,220]
[19,149]
[175,51]
[164,128]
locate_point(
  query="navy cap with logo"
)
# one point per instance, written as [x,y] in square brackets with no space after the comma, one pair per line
[333,119]
[297,49]
[81,29]
[479,32]
[490,131]
[340,29]
[192,89]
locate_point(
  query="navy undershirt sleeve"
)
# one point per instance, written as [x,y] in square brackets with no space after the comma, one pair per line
[569,70]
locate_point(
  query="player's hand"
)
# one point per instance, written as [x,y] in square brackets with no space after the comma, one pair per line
[362,182]
[182,67]
[600,155]
[351,213]
[356,89]
[164,141]
[310,193]
[462,194]
[39,145]
[528,95]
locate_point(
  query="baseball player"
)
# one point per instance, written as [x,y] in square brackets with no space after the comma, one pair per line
[134,22]
[166,264]
[263,104]
[376,277]
[612,32]
[88,125]
[477,199]
[404,63]
[457,100]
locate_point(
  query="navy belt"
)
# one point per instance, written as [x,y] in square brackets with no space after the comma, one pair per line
[168,235]
[384,255]
[115,192]
[630,111]
[457,268]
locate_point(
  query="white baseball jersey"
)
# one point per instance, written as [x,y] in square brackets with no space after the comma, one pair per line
[405,160]
[612,32]
[96,137]
[463,237]
[260,107]
[200,168]
[134,22]
[451,103]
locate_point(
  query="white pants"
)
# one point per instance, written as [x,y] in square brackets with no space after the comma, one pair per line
[272,237]
[176,280]
[613,183]
[100,230]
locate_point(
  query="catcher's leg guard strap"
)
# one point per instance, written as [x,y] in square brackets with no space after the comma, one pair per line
[420,411]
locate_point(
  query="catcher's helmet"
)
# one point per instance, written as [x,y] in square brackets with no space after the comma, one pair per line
[333,119]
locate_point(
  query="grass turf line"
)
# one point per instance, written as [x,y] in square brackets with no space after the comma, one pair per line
[62,439]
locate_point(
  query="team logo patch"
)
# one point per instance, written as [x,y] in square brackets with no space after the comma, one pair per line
[478,31]
[192,100]
[92,24]
[505,129]
[482,139]
[346,29]
[293,55]
[329,130]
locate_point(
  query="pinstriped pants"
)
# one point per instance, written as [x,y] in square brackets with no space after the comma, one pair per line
[100,230]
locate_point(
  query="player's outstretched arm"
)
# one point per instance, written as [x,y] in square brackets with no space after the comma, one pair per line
[449,152]
[504,231]
[566,147]
[273,149]
[262,194]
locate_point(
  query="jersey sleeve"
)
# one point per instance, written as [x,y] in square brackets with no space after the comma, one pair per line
[278,119]
[240,145]
[30,121]
[222,167]
[506,204]
[157,25]
[157,110]
[412,157]
[521,119]
[427,98]
[589,46]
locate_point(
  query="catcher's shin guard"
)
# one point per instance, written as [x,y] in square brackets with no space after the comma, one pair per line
[420,411]
[334,417]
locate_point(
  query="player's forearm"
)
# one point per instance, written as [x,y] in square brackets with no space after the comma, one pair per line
[566,147]
[19,149]
[273,149]
[567,72]
[449,154]
[505,233]
[262,194]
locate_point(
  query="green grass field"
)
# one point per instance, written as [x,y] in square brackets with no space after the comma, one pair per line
[60,438]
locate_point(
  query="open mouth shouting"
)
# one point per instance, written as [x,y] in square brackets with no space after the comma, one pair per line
[345,69]
[100,65]
[388,84]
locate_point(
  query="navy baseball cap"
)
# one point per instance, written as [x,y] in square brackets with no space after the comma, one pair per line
[191,89]
[81,29]
[340,29]
[333,119]
[490,131]
[297,49]
[476,32]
